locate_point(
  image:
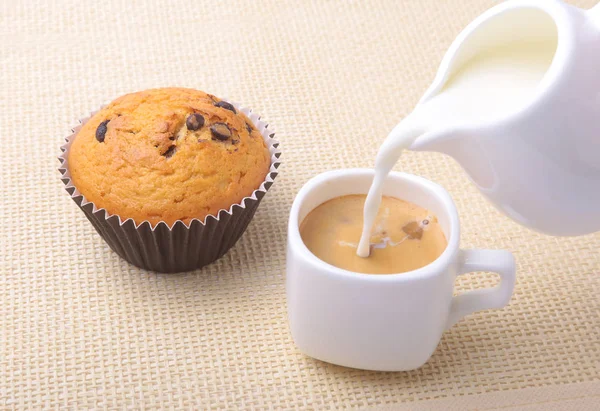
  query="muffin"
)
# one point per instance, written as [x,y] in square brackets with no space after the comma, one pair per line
[170,177]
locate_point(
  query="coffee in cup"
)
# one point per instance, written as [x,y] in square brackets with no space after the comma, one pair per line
[405,236]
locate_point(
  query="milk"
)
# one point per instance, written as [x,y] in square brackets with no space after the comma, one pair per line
[492,85]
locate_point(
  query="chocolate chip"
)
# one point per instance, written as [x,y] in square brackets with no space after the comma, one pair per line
[249,128]
[101,131]
[220,131]
[170,151]
[194,122]
[234,142]
[226,106]
[414,230]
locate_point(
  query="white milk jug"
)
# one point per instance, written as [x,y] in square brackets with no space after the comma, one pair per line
[516,102]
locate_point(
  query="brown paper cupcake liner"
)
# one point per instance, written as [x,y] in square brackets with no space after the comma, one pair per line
[182,247]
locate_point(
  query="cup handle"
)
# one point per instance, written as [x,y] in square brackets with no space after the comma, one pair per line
[497,261]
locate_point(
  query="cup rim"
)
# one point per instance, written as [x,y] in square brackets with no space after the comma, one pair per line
[434,268]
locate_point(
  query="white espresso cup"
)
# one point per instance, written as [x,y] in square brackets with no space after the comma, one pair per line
[390,322]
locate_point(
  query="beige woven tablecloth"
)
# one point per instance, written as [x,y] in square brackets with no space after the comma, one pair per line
[80,328]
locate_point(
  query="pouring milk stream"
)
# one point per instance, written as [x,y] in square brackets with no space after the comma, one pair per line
[501,78]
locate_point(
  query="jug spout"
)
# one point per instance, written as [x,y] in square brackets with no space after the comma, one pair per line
[467,149]
[450,142]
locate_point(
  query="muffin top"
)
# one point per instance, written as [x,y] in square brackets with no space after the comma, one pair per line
[168,154]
